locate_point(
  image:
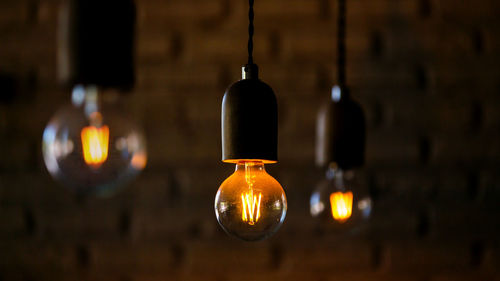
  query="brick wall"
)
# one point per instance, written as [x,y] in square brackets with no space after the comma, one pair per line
[426,71]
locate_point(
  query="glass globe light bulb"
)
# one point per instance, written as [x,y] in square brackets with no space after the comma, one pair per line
[339,200]
[90,146]
[250,204]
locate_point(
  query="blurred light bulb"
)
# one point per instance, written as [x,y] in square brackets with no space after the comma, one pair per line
[90,146]
[339,200]
[250,204]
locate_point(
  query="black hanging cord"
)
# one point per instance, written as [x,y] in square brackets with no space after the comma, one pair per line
[341,49]
[250,32]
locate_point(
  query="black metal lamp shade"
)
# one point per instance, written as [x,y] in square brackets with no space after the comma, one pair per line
[249,120]
[341,132]
[96,43]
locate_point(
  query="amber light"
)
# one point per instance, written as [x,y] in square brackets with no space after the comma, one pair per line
[139,161]
[250,204]
[95,143]
[341,204]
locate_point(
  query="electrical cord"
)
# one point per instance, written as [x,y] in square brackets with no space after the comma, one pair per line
[250,32]
[341,48]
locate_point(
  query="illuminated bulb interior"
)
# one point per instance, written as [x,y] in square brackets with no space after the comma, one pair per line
[341,204]
[250,202]
[139,160]
[95,143]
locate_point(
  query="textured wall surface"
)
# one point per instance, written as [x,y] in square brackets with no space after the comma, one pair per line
[427,73]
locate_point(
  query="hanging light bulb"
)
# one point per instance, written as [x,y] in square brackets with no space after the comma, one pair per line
[340,147]
[340,199]
[250,204]
[91,146]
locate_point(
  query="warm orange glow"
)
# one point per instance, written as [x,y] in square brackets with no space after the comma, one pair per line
[251,207]
[95,143]
[262,161]
[250,203]
[341,206]
[139,160]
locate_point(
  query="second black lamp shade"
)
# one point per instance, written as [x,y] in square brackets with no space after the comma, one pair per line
[340,148]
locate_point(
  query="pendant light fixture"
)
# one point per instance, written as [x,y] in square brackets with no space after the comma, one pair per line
[340,149]
[250,204]
[90,146]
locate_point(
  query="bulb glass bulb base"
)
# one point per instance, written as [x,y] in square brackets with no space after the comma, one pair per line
[340,201]
[250,204]
[90,146]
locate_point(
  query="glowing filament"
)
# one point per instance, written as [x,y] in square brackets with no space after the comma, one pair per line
[251,207]
[95,145]
[341,206]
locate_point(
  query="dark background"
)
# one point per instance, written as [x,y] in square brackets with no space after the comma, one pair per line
[427,73]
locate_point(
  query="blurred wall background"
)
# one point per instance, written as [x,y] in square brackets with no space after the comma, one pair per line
[426,71]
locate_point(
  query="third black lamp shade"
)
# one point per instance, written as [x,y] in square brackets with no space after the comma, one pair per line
[91,146]
[96,43]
